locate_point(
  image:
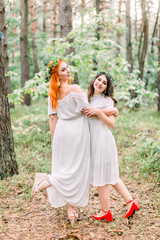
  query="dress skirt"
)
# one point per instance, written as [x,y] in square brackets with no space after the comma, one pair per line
[70,163]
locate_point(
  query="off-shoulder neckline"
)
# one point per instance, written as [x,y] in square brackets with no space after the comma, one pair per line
[67,96]
[64,97]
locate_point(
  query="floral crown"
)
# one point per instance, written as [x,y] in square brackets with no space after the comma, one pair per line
[52,64]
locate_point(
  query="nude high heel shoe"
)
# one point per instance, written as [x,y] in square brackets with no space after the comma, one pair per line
[41,182]
[72,215]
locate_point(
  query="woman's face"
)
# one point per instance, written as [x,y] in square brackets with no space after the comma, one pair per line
[100,84]
[64,72]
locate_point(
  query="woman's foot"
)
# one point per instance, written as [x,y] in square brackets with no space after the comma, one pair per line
[72,215]
[41,182]
[133,206]
[103,215]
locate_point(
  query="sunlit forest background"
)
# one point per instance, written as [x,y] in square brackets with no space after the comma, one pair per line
[120,37]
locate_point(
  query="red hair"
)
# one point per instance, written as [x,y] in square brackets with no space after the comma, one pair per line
[54,90]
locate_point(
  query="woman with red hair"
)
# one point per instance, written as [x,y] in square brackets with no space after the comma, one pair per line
[69,181]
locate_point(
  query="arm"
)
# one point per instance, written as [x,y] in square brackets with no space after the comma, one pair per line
[110,111]
[52,124]
[109,121]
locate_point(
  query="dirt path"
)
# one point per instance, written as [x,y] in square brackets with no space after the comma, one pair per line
[36,219]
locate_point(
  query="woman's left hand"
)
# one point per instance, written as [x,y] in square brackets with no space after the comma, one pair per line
[90,112]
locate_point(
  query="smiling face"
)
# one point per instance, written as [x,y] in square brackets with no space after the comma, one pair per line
[100,84]
[64,72]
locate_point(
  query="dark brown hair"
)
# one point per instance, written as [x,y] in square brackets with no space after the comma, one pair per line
[109,90]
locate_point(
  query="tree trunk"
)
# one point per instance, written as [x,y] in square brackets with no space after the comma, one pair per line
[65,17]
[14,32]
[83,3]
[97,32]
[8,164]
[103,5]
[35,15]
[24,49]
[5,48]
[159,71]
[44,15]
[51,17]
[155,29]
[128,36]
[65,12]
[98,24]
[136,29]
[143,45]
[103,11]
[55,18]
[119,34]
[33,29]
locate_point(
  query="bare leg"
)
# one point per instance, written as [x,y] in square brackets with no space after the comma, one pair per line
[72,213]
[123,191]
[104,197]
[71,208]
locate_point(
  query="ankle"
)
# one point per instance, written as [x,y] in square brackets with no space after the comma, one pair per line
[130,201]
[105,210]
[71,208]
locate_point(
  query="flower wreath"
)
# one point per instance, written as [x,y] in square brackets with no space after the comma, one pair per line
[52,64]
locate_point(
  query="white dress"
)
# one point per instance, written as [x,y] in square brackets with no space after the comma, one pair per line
[70,153]
[104,159]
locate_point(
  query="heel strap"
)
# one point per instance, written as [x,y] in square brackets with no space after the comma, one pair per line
[105,211]
[73,214]
[130,201]
[44,178]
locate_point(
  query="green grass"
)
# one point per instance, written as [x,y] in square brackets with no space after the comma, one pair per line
[32,137]
[138,140]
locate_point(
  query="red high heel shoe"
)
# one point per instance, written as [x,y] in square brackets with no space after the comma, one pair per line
[135,207]
[107,216]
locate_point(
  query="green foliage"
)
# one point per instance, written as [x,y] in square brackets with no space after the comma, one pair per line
[149,156]
[16,96]
[36,87]
[32,137]
[139,143]
[151,72]
[91,55]
[133,91]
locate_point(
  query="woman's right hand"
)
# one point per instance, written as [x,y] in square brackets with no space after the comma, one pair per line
[90,112]
[116,113]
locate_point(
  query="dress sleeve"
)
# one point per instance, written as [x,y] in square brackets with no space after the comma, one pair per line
[51,111]
[108,103]
[81,101]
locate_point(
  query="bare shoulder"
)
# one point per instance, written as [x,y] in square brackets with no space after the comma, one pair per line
[76,88]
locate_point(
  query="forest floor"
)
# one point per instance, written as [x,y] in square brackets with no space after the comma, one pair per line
[23,217]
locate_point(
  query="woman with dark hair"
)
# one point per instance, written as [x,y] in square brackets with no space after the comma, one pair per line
[104,159]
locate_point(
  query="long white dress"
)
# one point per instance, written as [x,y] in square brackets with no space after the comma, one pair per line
[70,153]
[104,159]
